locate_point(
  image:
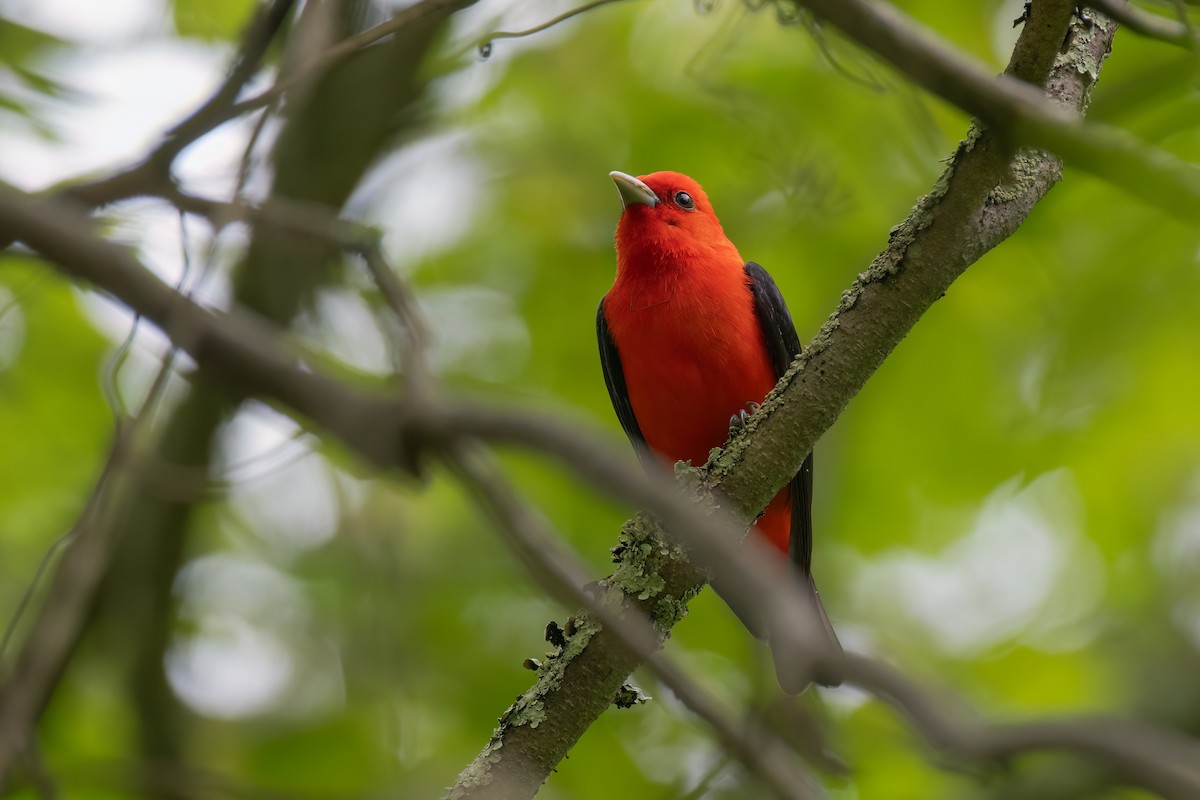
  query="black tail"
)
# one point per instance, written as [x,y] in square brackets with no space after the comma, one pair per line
[791,669]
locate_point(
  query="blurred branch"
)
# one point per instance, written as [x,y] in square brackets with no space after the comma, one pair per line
[93,540]
[347,118]
[485,44]
[151,175]
[154,169]
[1155,758]
[1019,110]
[984,194]
[347,115]
[424,9]
[1145,23]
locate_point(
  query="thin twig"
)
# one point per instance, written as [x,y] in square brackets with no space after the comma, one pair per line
[257,38]
[311,220]
[346,48]
[94,539]
[155,167]
[413,344]
[112,395]
[108,381]
[486,43]
[82,522]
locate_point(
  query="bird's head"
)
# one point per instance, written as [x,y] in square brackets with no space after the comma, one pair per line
[667,217]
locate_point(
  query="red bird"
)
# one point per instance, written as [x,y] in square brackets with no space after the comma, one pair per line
[690,336]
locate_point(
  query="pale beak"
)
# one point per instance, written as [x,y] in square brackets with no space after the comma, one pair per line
[632,190]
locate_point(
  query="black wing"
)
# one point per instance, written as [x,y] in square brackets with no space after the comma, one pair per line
[614,379]
[783,344]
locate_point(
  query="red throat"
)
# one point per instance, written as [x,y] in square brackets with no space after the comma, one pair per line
[682,317]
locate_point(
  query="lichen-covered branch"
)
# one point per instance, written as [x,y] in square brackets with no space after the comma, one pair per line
[982,197]
[986,192]
[609,612]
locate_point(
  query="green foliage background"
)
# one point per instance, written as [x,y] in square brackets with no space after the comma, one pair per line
[1010,509]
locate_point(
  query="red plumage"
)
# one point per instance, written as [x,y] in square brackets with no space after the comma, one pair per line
[682,317]
[689,336]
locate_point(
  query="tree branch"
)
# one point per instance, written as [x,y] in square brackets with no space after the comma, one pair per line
[150,175]
[1018,110]
[1146,24]
[633,638]
[983,196]
[329,141]
[407,16]
[1160,760]
[155,168]
[94,538]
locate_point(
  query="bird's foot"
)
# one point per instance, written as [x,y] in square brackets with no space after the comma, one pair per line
[1024,14]
[738,421]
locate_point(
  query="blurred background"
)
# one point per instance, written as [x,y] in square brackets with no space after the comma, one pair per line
[1009,510]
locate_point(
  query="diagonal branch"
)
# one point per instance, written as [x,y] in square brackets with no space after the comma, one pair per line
[1022,113]
[155,167]
[1162,761]
[1145,23]
[632,636]
[985,193]
[151,175]
[336,54]
[94,539]
[983,196]
[327,144]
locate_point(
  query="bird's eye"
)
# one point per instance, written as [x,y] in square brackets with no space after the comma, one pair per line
[684,201]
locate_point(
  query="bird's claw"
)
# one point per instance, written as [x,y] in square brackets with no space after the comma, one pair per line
[738,421]
[1024,14]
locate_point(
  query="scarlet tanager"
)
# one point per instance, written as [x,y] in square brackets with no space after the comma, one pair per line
[690,337]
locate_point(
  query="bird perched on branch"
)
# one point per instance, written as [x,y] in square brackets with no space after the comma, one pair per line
[691,338]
